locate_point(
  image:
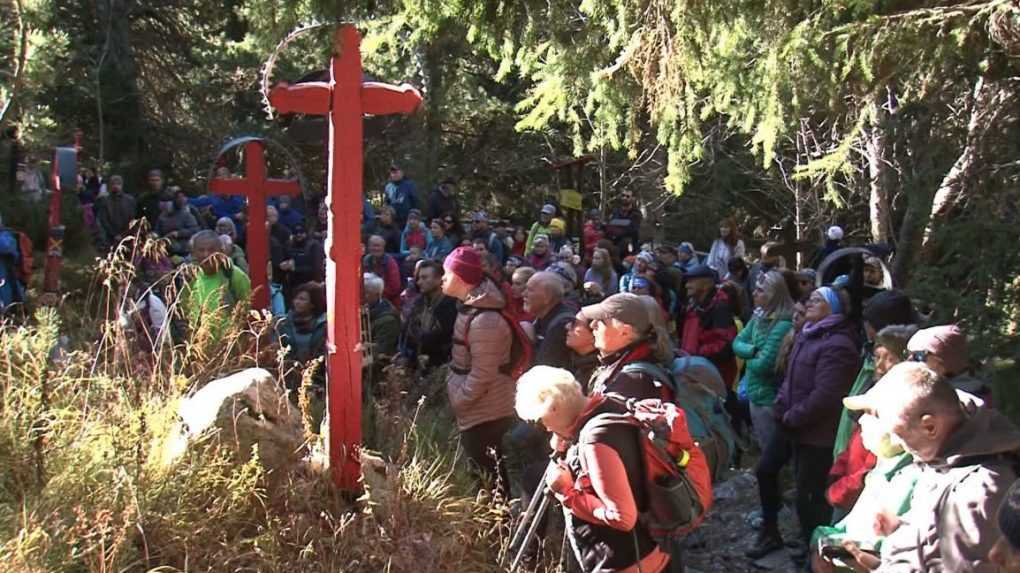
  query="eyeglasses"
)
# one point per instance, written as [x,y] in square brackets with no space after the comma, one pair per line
[918,356]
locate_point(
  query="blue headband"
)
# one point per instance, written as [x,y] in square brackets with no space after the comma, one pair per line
[831,297]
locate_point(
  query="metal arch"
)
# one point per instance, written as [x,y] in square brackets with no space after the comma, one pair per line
[887,277]
[269,143]
[266,72]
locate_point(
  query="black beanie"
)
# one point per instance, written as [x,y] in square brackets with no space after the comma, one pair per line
[889,307]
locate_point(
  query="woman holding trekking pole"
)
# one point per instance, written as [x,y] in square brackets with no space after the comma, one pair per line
[598,483]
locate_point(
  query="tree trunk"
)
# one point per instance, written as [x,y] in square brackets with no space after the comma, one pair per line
[917,186]
[117,84]
[435,92]
[990,102]
[20,60]
[879,178]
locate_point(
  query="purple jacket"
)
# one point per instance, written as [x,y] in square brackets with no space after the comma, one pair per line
[822,368]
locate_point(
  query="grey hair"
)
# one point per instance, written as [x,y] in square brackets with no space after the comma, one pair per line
[228,221]
[551,282]
[206,235]
[778,302]
[374,284]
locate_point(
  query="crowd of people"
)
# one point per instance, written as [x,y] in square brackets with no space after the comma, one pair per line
[900,460]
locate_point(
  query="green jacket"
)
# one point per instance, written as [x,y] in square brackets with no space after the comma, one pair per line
[385,327]
[209,300]
[847,425]
[303,346]
[758,344]
[536,230]
[889,487]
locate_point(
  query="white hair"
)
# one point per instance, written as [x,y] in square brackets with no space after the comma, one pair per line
[374,284]
[227,242]
[542,388]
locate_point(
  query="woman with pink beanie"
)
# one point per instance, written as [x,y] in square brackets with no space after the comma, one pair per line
[479,385]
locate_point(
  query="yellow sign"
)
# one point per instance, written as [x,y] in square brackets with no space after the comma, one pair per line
[570,199]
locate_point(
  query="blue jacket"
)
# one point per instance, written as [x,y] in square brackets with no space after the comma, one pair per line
[11,290]
[406,250]
[438,249]
[291,217]
[495,245]
[402,197]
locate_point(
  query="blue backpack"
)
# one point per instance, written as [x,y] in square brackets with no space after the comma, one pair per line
[707,419]
[14,259]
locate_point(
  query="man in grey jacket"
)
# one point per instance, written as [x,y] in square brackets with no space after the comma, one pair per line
[967,455]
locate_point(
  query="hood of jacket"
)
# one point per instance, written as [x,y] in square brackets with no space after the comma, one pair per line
[832,324]
[984,432]
[486,295]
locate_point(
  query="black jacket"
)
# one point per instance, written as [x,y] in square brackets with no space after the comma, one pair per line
[429,329]
[551,337]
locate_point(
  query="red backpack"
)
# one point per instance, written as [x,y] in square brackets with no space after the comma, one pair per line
[678,481]
[521,351]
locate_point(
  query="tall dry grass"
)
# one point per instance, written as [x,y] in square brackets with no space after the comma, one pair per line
[82,412]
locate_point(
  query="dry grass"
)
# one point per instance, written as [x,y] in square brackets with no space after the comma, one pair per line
[81,412]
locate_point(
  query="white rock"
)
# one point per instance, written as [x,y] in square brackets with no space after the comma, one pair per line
[240,411]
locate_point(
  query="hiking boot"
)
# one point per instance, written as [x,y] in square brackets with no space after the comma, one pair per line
[769,540]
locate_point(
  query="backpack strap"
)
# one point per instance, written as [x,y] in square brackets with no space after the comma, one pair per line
[472,315]
[659,374]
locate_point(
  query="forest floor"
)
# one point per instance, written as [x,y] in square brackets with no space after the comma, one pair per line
[731,528]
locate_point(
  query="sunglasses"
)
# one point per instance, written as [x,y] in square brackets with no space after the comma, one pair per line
[917,356]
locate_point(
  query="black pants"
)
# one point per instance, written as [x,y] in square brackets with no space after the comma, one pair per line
[776,455]
[529,449]
[484,446]
[811,465]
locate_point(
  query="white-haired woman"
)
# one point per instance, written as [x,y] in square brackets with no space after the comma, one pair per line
[598,484]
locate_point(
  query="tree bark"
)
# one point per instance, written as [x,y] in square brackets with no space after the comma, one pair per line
[918,188]
[435,91]
[879,178]
[117,84]
[20,60]
[990,103]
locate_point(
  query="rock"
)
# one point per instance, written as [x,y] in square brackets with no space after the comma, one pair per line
[240,411]
[733,487]
[775,561]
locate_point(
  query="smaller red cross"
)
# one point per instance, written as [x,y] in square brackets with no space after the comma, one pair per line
[257,188]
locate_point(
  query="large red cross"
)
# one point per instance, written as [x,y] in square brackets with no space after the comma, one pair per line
[345,98]
[257,188]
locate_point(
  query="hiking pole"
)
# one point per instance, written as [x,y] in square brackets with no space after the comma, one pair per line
[532,529]
[532,505]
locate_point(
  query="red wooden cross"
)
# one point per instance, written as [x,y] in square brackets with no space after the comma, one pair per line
[345,98]
[257,188]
